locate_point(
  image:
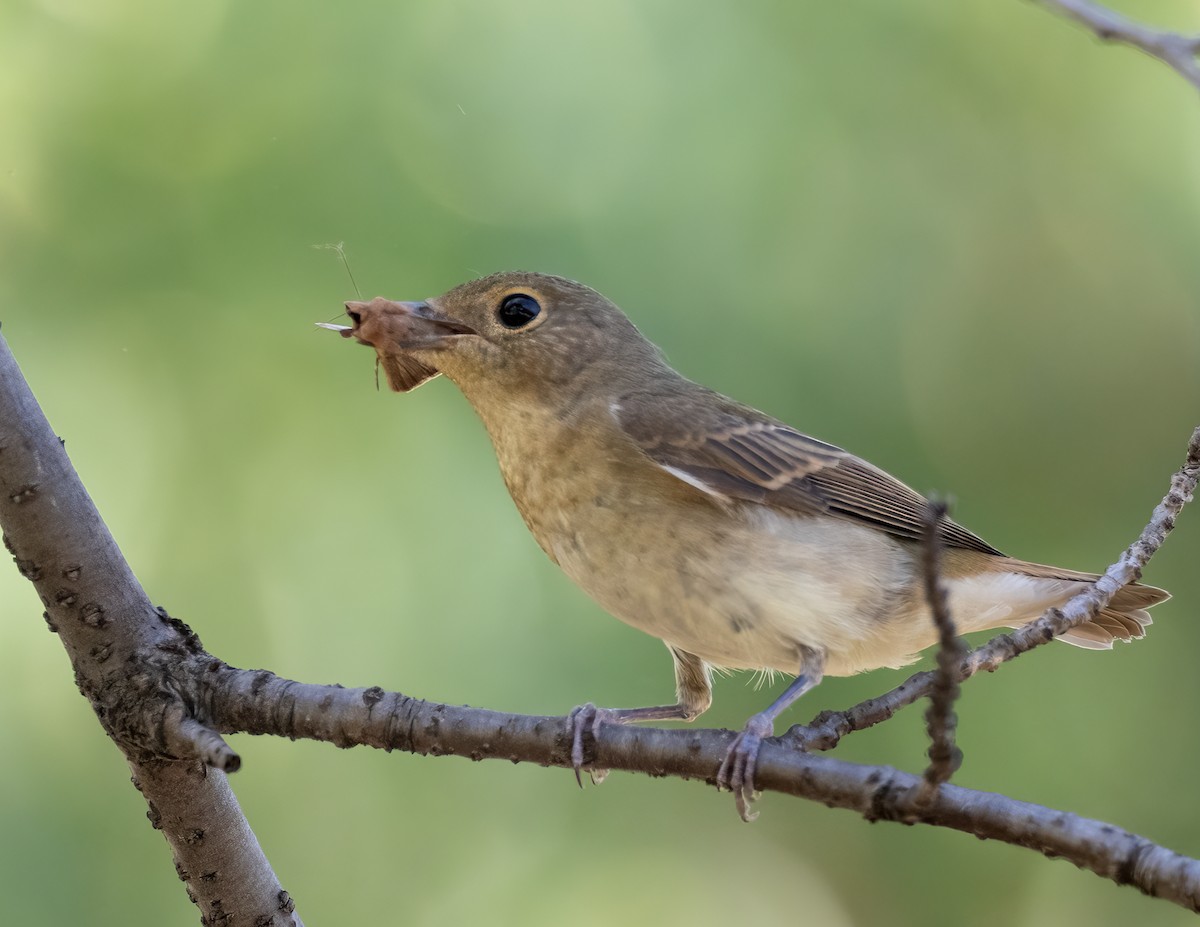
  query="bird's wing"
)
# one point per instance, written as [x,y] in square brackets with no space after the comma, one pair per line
[732,451]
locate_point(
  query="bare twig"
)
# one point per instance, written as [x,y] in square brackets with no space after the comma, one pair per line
[1176,51]
[940,720]
[829,727]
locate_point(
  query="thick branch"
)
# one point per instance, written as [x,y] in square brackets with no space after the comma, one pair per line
[262,703]
[1176,51]
[125,654]
[259,702]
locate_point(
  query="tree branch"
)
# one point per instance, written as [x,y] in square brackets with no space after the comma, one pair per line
[1174,50]
[259,702]
[127,658]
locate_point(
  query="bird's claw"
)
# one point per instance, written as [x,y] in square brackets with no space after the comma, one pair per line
[737,769]
[587,718]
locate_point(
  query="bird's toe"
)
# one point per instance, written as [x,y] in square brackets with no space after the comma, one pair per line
[737,769]
[585,720]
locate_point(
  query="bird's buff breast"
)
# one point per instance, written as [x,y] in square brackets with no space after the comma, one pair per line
[737,584]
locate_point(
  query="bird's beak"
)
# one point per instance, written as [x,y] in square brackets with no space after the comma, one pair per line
[394,329]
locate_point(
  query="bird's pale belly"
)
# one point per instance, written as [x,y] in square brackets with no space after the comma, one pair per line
[745,587]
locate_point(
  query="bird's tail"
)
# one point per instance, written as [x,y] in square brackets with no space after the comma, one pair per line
[1124,619]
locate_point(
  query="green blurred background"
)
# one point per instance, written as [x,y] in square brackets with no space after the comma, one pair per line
[959,239]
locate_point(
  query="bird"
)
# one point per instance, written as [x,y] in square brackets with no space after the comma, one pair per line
[739,541]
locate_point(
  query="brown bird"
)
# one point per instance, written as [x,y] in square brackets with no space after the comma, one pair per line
[737,540]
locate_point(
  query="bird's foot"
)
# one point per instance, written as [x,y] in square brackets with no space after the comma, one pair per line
[587,719]
[737,769]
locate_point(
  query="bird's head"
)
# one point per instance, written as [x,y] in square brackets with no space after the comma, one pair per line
[509,331]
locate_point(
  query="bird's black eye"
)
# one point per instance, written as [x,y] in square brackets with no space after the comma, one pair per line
[518,310]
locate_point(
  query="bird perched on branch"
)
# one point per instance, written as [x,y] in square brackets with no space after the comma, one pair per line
[737,540]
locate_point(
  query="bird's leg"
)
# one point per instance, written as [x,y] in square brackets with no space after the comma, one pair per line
[737,769]
[693,691]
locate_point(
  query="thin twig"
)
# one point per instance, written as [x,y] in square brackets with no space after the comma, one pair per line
[829,727]
[940,719]
[1176,51]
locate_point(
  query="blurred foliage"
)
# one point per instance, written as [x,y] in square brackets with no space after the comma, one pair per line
[959,239]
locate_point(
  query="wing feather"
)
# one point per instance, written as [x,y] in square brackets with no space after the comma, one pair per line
[739,453]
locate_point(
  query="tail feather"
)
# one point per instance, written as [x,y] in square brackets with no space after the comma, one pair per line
[1089,636]
[1125,618]
[1109,625]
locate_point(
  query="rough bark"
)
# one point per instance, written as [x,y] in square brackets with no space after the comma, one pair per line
[134,664]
